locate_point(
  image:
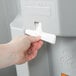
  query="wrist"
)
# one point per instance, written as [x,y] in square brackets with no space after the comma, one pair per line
[10,54]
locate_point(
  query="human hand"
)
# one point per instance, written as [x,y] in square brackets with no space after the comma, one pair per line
[24,48]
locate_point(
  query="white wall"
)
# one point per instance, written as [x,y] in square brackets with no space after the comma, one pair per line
[8,11]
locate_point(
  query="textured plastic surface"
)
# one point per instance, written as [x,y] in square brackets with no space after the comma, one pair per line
[60,19]
[56,15]
[62,56]
[39,66]
[50,38]
[47,37]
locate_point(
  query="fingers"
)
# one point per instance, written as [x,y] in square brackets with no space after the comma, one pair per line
[32,55]
[33,50]
[37,45]
[34,39]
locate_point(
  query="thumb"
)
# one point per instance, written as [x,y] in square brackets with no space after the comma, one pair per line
[34,39]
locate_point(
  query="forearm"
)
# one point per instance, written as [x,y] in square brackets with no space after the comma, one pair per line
[6,56]
[19,50]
